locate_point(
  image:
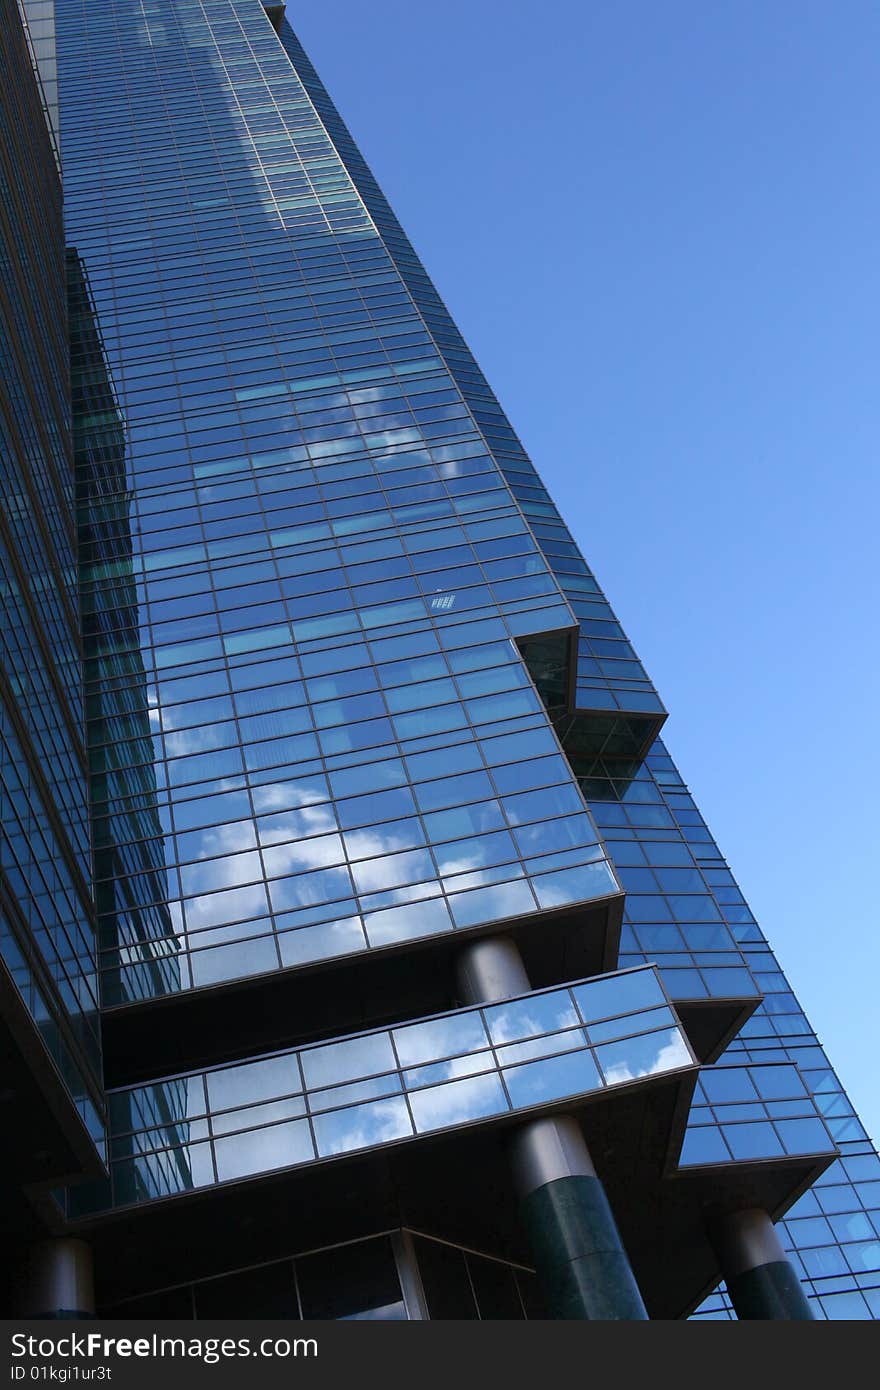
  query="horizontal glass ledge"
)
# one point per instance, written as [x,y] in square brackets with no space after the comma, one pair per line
[605,719]
[752,1114]
[567,927]
[611,725]
[361,1092]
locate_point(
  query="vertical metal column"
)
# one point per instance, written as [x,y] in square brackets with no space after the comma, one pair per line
[410,1277]
[760,1278]
[584,1270]
[58,1281]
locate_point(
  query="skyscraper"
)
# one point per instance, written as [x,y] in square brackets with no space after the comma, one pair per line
[424,989]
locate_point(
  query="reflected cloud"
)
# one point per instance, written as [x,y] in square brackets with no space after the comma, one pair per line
[400,897]
[469,1065]
[457,1102]
[206,739]
[440,1038]
[296,824]
[645,1056]
[216,909]
[529,1018]
[322,941]
[362,1126]
[373,841]
[234,871]
[286,796]
[298,856]
[220,839]
[261,1150]
[392,871]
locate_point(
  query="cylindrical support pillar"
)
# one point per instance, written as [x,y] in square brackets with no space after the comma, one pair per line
[584,1270]
[761,1281]
[490,970]
[580,1259]
[59,1280]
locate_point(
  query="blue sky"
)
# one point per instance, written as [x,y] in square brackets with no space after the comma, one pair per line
[657,226]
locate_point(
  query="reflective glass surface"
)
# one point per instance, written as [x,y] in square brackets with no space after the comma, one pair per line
[312,731]
[752,1113]
[374,1088]
[360,1280]
[696,925]
[47,920]
[610,681]
[329,611]
[685,911]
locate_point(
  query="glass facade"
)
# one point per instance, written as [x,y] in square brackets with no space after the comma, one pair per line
[47,918]
[377,1088]
[363,1280]
[323,566]
[341,694]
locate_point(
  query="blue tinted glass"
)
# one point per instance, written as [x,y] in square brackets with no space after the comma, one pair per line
[643,1056]
[442,1037]
[347,677]
[704,1145]
[457,1102]
[622,994]
[261,1150]
[345,1061]
[728,1084]
[360,1126]
[752,1140]
[527,1018]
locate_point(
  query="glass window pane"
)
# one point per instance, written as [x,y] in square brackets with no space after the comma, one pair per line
[653,1052]
[351,1282]
[261,1150]
[362,1126]
[457,1102]
[495,1289]
[236,1086]
[570,1074]
[777,1082]
[752,1140]
[724,1084]
[703,1144]
[346,1061]
[268,1292]
[630,1023]
[620,994]
[803,1136]
[445,1280]
[527,1018]
[438,1038]
[337,1096]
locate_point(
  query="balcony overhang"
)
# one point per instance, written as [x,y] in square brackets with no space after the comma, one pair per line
[588,734]
[45,1141]
[618,729]
[712,1023]
[667,1242]
[455,1184]
[783,1147]
[275,10]
[409,979]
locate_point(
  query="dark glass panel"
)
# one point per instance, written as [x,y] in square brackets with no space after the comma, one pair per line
[352,1282]
[267,1292]
[445,1280]
[495,1288]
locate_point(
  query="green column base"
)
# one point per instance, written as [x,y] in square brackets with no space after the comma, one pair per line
[770,1291]
[583,1267]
